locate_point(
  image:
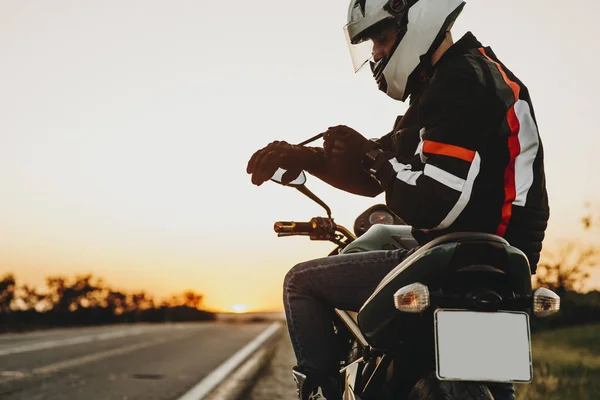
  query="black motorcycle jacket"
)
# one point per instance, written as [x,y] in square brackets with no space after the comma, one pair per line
[467,155]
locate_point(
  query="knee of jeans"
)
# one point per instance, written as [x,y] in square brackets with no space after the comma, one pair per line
[293,277]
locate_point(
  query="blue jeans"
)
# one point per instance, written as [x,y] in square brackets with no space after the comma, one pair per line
[312,290]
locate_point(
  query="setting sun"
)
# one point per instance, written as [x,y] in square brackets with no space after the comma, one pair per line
[239,308]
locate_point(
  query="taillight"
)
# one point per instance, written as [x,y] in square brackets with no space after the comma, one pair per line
[413,298]
[545,302]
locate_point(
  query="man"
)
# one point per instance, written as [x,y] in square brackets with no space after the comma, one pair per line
[466,156]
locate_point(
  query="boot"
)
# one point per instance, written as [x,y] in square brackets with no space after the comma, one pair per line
[311,386]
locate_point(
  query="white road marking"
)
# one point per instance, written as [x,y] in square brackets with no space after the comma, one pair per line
[83,331]
[51,344]
[231,388]
[61,332]
[211,381]
[79,361]
[13,374]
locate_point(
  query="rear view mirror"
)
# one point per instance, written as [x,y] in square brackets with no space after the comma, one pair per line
[299,181]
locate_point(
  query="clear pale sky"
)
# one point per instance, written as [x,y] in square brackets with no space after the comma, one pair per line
[126,127]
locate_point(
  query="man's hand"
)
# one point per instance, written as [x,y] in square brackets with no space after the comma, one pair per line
[293,158]
[345,145]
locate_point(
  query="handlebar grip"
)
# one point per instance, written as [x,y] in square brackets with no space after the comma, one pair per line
[294,227]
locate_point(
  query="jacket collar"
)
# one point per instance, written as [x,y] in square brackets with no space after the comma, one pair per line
[462,46]
[465,44]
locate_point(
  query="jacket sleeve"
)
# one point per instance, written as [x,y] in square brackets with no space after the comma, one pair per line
[431,189]
[385,142]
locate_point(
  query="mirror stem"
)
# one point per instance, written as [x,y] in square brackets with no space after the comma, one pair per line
[304,190]
[312,139]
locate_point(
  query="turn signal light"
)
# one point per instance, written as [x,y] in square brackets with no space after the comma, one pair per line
[545,302]
[413,298]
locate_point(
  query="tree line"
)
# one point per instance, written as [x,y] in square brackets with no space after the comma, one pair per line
[85,300]
[567,268]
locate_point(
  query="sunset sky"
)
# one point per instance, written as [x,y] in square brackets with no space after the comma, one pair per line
[126,127]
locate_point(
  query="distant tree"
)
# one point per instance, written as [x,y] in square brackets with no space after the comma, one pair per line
[165,303]
[29,297]
[192,299]
[85,300]
[57,293]
[7,292]
[116,302]
[566,269]
[139,301]
[591,218]
[174,301]
[82,292]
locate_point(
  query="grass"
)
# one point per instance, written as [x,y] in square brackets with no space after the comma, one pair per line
[566,365]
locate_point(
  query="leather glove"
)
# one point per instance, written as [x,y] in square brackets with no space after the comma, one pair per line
[346,145]
[279,154]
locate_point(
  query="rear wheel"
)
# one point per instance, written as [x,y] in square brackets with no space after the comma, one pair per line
[431,388]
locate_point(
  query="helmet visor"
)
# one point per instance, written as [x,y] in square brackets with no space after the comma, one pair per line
[361,52]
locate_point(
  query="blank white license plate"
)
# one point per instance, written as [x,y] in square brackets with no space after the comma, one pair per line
[477,346]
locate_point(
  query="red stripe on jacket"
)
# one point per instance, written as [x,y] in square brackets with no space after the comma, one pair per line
[448,150]
[514,147]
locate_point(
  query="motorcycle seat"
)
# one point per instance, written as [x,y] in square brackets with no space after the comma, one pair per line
[455,240]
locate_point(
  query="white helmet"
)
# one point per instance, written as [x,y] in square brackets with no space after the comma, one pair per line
[421,25]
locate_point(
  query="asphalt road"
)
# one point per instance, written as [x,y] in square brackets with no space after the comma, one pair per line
[118,362]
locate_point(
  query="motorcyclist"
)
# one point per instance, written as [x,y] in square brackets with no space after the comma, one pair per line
[466,156]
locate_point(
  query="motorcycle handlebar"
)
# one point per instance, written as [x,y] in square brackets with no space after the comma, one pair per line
[294,227]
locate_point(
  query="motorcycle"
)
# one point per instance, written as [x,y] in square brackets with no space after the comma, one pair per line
[451,318]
